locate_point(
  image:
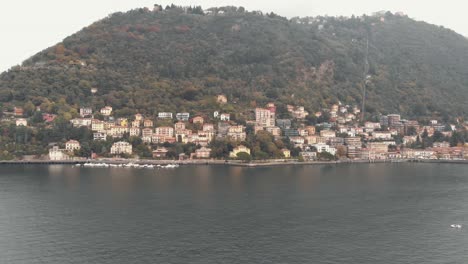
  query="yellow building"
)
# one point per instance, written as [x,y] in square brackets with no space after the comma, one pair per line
[239,149]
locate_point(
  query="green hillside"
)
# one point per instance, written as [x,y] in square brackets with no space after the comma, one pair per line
[177,59]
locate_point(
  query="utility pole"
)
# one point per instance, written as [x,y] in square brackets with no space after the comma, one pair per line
[365,79]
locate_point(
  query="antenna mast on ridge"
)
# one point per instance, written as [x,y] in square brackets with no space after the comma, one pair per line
[366,74]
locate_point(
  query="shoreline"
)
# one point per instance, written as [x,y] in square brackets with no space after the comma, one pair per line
[268,163]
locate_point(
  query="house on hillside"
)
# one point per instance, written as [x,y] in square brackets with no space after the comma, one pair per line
[21,122]
[72,145]
[57,154]
[106,111]
[121,147]
[160,153]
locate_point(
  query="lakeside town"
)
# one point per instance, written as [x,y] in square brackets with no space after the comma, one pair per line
[337,134]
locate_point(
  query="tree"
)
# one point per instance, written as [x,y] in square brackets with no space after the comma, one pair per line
[325,156]
[244,156]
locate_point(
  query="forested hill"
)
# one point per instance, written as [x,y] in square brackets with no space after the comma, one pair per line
[176,59]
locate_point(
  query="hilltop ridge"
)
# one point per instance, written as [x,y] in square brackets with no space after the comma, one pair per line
[176,59]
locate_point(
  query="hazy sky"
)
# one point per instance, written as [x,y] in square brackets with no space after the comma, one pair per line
[28,26]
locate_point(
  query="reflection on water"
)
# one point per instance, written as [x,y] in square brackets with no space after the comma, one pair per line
[350,213]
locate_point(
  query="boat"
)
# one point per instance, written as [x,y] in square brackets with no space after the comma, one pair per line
[458,226]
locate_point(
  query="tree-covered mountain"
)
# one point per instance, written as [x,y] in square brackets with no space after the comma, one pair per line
[177,59]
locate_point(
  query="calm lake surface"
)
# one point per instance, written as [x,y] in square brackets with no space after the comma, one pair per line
[367,213]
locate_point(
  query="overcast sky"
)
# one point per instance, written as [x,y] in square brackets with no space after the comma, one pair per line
[29,26]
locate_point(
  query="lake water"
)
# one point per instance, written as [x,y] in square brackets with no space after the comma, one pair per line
[366,213]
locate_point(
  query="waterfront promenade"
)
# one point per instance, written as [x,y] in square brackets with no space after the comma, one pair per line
[257,163]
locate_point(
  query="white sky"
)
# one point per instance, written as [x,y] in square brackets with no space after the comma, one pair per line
[29,26]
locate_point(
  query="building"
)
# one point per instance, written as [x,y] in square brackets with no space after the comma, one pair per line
[21,122]
[409,140]
[106,111]
[86,111]
[208,127]
[264,117]
[97,125]
[183,116]
[308,155]
[160,153]
[182,135]
[134,132]
[353,151]
[297,112]
[136,123]
[48,118]
[441,144]
[378,147]
[327,133]
[353,141]
[286,153]
[18,111]
[165,115]
[147,132]
[80,122]
[221,99]
[311,139]
[198,120]
[275,131]
[324,148]
[121,147]
[148,123]
[371,126]
[203,153]
[290,132]
[284,123]
[310,130]
[57,154]
[297,141]
[303,132]
[223,128]
[179,126]
[384,121]
[335,141]
[237,133]
[72,145]
[99,136]
[258,129]
[381,135]
[118,131]
[205,137]
[139,117]
[164,131]
[393,119]
[237,150]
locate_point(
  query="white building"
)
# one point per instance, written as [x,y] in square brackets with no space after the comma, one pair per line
[324,148]
[183,116]
[21,122]
[121,147]
[106,111]
[57,154]
[80,122]
[165,115]
[86,111]
[381,135]
[99,136]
